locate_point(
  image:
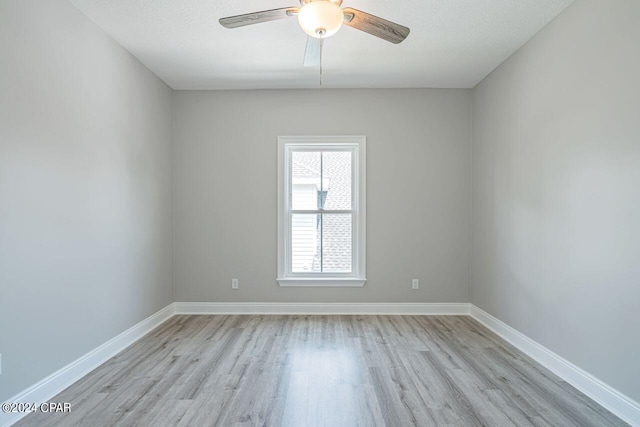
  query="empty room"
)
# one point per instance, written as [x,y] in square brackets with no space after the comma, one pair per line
[316,213]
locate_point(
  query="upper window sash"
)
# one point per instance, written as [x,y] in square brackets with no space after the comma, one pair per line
[325,147]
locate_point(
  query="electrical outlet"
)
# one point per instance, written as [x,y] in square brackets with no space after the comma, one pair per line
[415,284]
[234,283]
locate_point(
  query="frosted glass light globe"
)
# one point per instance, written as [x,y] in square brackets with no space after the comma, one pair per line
[320,18]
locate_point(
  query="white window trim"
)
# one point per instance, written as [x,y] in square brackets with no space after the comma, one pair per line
[358,277]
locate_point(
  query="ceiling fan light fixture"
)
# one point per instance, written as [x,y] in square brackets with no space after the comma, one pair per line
[320,18]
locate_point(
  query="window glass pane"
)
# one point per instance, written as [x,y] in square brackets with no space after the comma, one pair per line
[305,243]
[336,243]
[321,243]
[305,180]
[336,183]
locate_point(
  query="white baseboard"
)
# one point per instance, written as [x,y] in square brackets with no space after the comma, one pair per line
[616,402]
[320,308]
[47,388]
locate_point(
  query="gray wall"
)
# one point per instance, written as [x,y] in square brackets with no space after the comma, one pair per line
[556,190]
[85,178]
[418,195]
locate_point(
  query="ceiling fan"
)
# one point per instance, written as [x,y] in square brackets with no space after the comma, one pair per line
[321,19]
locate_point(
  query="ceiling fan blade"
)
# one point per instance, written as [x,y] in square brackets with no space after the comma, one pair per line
[312,52]
[258,17]
[387,30]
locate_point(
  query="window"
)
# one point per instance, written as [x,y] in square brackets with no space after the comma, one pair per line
[321,211]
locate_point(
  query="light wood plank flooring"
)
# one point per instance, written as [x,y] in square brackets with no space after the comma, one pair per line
[323,371]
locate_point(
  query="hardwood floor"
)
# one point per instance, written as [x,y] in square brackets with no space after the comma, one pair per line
[323,371]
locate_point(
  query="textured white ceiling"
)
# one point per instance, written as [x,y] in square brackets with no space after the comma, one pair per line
[453,43]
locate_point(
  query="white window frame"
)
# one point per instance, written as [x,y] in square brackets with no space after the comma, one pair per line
[355,144]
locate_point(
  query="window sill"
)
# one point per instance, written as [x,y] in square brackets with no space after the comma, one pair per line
[326,282]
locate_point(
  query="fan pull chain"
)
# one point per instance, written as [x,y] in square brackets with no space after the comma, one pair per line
[321,45]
